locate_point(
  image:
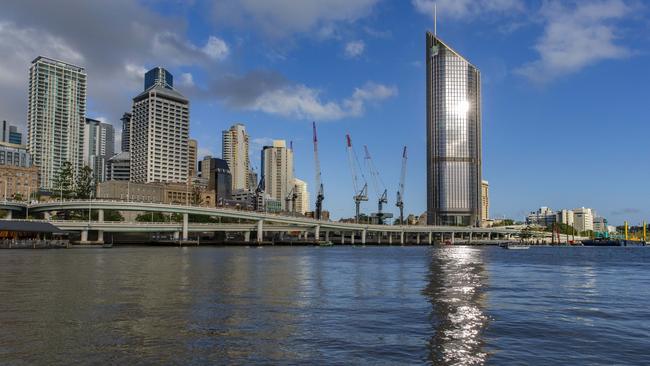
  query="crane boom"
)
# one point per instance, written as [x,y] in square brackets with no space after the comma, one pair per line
[400,191]
[320,195]
[380,188]
[359,194]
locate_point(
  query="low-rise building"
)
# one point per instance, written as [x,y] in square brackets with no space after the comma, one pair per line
[600,224]
[18,177]
[171,193]
[543,217]
[583,219]
[119,167]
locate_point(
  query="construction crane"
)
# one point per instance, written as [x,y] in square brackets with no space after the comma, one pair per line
[320,195]
[291,197]
[400,192]
[359,194]
[378,185]
[258,194]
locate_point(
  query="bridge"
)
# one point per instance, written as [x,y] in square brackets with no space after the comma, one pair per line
[260,223]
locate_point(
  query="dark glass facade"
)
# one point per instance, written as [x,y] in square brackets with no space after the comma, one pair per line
[158,76]
[453,137]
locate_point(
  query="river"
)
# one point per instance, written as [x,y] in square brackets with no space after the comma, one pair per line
[331,305]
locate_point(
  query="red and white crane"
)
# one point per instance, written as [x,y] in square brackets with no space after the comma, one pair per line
[320,195]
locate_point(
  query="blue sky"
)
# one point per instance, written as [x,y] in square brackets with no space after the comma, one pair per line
[565,91]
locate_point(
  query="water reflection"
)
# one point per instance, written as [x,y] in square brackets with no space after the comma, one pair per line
[457,281]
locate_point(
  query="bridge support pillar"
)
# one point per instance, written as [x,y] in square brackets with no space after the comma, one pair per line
[100,215]
[379,235]
[185,220]
[177,235]
[9,215]
[363,237]
[352,237]
[430,238]
[470,237]
[84,236]
[342,237]
[453,237]
[260,231]
[390,238]
[401,238]
[317,233]
[247,236]
[418,238]
[327,236]
[100,236]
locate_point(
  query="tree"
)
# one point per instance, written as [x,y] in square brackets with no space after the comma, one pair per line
[196,196]
[63,180]
[85,183]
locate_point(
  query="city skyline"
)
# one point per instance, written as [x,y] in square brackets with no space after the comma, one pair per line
[521,162]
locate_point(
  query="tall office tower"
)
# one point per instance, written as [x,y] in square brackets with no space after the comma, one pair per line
[302,202]
[126,132]
[56,116]
[234,150]
[119,167]
[217,175]
[159,132]
[192,147]
[10,134]
[99,146]
[277,171]
[485,200]
[453,137]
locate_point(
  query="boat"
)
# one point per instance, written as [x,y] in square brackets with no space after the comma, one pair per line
[613,243]
[517,246]
[325,244]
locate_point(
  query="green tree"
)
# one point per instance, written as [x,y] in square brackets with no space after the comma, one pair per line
[85,183]
[64,180]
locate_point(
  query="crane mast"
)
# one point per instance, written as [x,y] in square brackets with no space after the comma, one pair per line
[400,191]
[320,195]
[359,194]
[378,186]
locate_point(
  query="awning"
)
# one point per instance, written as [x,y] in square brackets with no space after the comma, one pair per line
[29,227]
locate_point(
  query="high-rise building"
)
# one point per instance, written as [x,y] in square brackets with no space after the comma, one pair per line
[234,149]
[453,136]
[119,167]
[277,171]
[192,147]
[126,131]
[56,116]
[159,132]
[99,146]
[485,200]
[10,134]
[219,184]
[583,219]
[302,202]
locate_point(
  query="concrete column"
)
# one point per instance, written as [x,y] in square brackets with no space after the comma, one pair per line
[379,234]
[84,236]
[390,238]
[100,215]
[363,237]
[185,223]
[352,237]
[247,236]
[317,233]
[100,236]
[177,235]
[401,238]
[418,238]
[453,237]
[470,237]
[260,231]
[430,238]
[327,236]
[342,237]
[9,215]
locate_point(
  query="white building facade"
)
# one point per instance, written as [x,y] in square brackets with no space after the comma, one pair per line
[302,202]
[56,117]
[235,151]
[160,125]
[277,171]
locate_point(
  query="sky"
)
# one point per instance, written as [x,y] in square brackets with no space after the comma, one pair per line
[565,85]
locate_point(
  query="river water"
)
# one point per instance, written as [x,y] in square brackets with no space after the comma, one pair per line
[335,305]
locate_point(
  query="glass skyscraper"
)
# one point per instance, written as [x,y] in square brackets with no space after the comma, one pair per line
[453,137]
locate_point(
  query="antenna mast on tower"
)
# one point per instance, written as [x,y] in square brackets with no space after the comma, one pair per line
[435,19]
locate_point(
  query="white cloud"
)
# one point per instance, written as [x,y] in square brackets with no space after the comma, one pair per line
[280,18]
[216,48]
[354,49]
[187,79]
[576,37]
[463,9]
[302,102]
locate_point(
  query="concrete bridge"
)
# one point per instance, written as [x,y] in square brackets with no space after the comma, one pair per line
[249,222]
